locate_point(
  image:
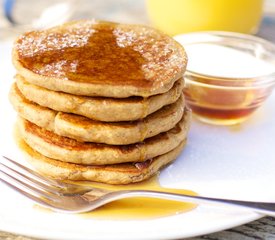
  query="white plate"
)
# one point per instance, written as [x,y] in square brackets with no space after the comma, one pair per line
[218,161]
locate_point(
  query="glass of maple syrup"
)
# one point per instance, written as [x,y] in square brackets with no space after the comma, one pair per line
[229,75]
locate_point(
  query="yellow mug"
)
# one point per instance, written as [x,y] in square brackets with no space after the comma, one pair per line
[181,16]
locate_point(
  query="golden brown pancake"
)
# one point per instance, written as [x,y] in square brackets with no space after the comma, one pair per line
[88,130]
[70,150]
[99,108]
[95,58]
[122,173]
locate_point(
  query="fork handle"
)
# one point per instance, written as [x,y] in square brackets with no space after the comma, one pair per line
[265,208]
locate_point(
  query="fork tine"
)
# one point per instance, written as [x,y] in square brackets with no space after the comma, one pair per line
[32,197]
[32,181]
[62,187]
[30,188]
[36,175]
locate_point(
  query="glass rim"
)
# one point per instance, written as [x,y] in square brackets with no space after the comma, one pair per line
[226,34]
[213,37]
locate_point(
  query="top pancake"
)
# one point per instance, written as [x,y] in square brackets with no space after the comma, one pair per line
[96,58]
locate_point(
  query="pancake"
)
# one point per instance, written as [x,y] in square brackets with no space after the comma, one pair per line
[123,173]
[70,150]
[99,108]
[87,130]
[95,58]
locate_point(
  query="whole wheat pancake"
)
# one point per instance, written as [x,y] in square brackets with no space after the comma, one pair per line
[70,150]
[122,173]
[88,130]
[99,108]
[94,58]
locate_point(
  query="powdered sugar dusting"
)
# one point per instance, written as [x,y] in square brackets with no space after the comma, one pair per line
[90,51]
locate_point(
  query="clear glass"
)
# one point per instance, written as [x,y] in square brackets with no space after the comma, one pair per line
[222,100]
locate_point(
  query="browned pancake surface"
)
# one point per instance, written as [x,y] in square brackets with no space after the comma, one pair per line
[102,53]
[122,173]
[69,150]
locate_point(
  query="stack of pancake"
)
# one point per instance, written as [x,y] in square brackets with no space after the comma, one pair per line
[100,101]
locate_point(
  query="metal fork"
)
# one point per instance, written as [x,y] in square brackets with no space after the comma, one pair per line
[71,198]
